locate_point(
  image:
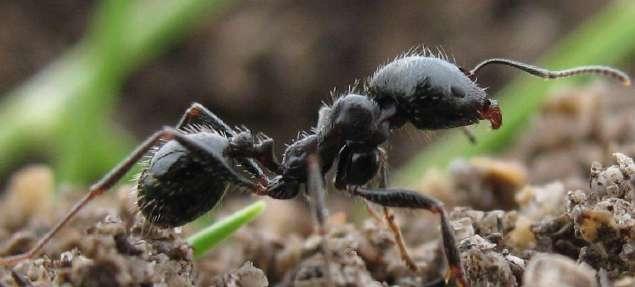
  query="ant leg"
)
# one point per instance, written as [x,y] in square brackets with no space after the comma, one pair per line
[198,114]
[280,188]
[201,151]
[372,212]
[340,172]
[246,149]
[120,170]
[393,197]
[266,155]
[316,189]
[398,238]
[390,217]
[95,190]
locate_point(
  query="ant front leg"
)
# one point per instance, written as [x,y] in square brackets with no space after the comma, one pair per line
[315,188]
[393,197]
[95,190]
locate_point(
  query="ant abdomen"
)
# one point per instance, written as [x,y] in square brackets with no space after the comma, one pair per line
[178,186]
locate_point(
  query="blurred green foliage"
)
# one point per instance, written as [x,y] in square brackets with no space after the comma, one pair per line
[65,111]
[606,39]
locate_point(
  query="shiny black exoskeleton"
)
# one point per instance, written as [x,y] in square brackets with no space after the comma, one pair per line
[431,93]
[191,167]
[178,184]
[177,187]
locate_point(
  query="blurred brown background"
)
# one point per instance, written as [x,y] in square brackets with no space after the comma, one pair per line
[269,64]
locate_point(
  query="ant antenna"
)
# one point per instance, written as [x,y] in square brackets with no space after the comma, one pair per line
[544,73]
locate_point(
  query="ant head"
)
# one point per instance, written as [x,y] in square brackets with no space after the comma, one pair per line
[431,93]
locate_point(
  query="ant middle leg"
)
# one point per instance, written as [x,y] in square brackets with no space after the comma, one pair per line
[390,217]
[105,183]
[315,188]
[394,197]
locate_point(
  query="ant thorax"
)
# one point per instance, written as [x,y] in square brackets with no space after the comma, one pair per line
[353,119]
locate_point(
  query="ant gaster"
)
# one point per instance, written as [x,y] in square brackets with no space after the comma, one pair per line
[191,167]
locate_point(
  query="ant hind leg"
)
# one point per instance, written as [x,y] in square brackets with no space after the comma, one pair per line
[95,190]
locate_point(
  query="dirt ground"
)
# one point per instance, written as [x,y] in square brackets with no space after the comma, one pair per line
[554,210]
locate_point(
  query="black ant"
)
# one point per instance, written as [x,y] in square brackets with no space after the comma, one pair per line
[193,165]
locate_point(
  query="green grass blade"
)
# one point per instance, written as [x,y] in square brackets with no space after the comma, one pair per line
[605,39]
[211,236]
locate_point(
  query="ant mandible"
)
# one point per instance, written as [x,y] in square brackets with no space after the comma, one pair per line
[193,165]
